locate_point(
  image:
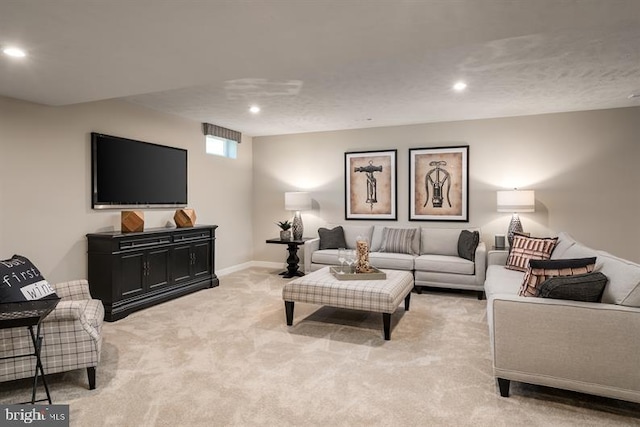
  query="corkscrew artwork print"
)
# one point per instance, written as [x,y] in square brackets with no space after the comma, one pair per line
[439,184]
[370,185]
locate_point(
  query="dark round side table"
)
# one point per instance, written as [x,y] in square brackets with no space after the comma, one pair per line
[292,259]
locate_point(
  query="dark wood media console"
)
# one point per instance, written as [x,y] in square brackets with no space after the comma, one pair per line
[131,271]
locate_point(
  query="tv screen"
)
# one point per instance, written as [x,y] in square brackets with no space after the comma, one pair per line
[135,174]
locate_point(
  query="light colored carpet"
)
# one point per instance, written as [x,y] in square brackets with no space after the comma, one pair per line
[225,356]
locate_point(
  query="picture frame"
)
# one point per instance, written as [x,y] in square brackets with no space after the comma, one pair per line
[370,185]
[439,184]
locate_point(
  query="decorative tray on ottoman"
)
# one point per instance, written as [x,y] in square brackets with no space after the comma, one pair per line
[349,273]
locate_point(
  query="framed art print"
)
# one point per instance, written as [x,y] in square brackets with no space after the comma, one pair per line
[439,184]
[370,185]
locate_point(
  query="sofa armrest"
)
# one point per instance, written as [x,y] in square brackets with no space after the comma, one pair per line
[567,344]
[67,310]
[74,290]
[310,246]
[481,263]
[69,316]
[497,257]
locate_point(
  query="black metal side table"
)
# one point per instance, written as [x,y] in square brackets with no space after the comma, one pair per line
[29,314]
[292,259]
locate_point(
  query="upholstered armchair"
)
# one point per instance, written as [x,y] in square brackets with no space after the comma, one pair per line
[72,337]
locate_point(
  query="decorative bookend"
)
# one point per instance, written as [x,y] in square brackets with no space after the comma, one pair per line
[185,218]
[132,221]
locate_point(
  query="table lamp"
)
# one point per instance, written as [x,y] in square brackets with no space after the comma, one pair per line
[516,201]
[297,201]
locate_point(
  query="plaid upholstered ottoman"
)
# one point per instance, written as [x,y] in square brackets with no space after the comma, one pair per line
[380,296]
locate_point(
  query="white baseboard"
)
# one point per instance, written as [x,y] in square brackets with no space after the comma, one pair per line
[244,265]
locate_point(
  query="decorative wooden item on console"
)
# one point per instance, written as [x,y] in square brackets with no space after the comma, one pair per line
[185,218]
[132,221]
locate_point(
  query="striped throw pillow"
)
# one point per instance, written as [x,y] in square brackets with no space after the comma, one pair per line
[527,248]
[539,271]
[398,240]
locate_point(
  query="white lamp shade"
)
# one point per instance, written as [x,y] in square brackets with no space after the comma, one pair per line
[297,201]
[516,201]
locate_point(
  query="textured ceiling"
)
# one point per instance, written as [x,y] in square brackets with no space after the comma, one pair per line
[325,65]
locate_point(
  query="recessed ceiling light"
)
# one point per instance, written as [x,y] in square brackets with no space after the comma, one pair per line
[459,86]
[14,51]
[254,109]
[634,95]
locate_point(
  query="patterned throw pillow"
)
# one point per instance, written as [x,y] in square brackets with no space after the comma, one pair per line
[539,271]
[398,240]
[582,287]
[332,239]
[526,248]
[20,281]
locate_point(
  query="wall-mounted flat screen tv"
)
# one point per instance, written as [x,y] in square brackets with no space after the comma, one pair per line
[126,173]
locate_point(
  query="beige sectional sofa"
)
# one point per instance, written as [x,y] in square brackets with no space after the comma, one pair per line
[434,261]
[582,346]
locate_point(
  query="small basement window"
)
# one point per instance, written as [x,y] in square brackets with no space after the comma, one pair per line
[221,147]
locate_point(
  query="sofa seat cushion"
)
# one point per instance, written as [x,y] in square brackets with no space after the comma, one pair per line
[501,280]
[392,261]
[444,264]
[325,256]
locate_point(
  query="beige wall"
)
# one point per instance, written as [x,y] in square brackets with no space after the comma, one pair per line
[45,204]
[583,167]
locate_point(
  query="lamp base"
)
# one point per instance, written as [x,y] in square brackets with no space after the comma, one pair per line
[515,226]
[297,227]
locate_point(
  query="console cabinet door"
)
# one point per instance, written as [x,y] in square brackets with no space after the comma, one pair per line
[143,271]
[181,263]
[201,259]
[157,274]
[191,261]
[132,268]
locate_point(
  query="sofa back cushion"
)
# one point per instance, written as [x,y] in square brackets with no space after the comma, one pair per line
[624,280]
[440,241]
[379,233]
[351,232]
[578,250]
[565,241]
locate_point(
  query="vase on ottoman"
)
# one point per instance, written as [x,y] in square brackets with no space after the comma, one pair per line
[362,255]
